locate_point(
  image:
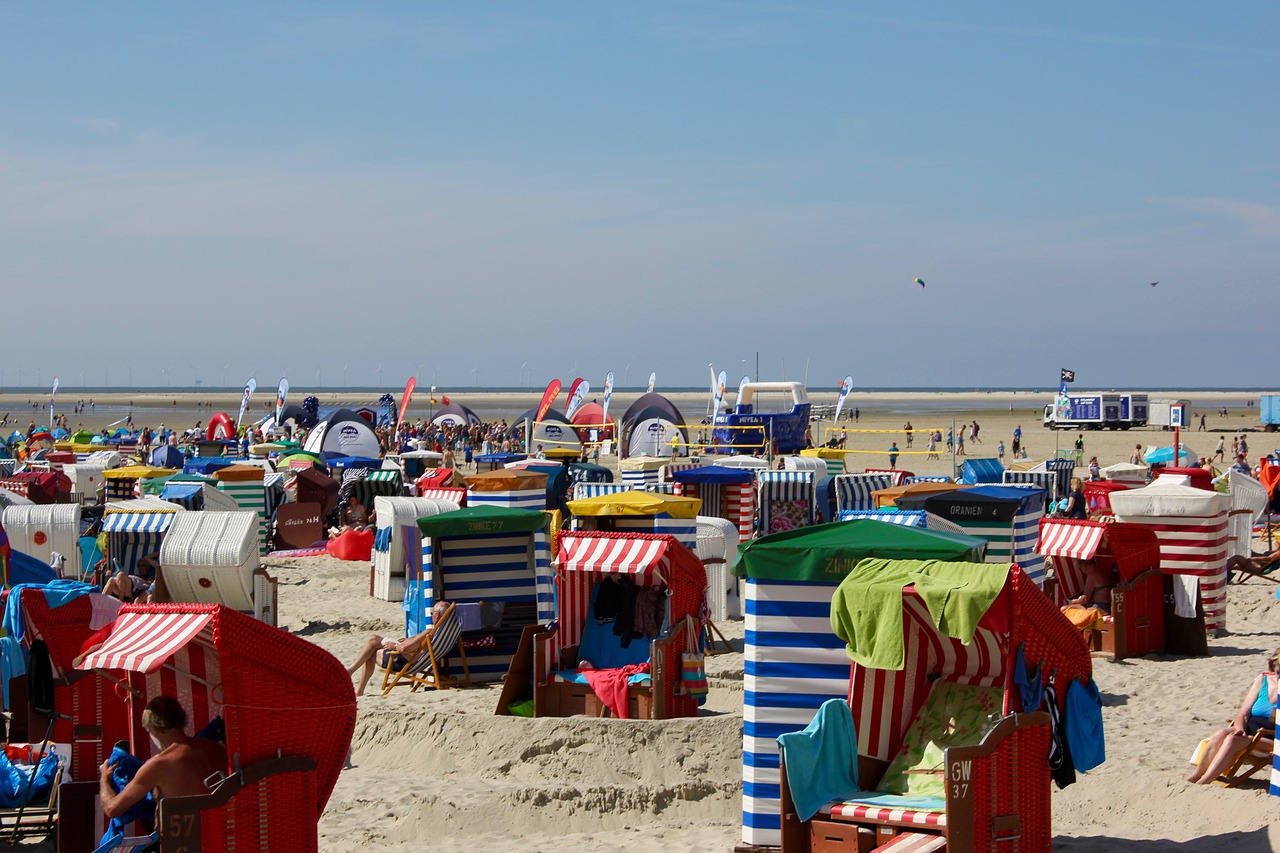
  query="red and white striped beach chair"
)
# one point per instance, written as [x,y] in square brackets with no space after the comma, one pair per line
[997,788]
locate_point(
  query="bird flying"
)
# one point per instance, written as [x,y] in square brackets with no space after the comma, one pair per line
[1154,283]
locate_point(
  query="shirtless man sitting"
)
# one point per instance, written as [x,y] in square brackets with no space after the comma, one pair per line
[178,770]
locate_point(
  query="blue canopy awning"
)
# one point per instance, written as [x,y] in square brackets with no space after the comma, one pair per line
[714,474]
[137,522]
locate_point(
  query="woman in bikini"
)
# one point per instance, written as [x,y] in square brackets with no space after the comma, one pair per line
[1256,712]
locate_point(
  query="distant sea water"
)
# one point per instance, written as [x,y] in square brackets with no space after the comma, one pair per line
[151,408]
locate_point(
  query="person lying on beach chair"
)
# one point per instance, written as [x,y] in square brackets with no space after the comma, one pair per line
[1086,610]
[1252,731]
[134,588]
[1256,566]
[391,654]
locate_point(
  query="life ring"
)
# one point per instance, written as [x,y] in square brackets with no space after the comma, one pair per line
[220,427]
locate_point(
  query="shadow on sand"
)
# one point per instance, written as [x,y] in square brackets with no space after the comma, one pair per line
[1253,841]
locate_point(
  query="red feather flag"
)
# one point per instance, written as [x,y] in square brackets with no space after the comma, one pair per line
[548,397]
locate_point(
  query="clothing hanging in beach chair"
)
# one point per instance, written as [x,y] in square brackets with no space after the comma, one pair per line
[428,668]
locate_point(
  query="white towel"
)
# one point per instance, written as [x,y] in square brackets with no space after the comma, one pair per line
[102,611]
[1186,588]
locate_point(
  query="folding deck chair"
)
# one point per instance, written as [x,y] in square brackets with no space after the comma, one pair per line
[1256,756]
[428,668]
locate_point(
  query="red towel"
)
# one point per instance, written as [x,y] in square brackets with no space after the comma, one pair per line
[611,685]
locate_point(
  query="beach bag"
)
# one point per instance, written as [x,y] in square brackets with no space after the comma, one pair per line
[693,669]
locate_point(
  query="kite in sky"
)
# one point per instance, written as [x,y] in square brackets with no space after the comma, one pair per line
[920,282]
[1154,283]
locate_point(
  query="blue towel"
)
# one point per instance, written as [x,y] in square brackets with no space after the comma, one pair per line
[57,592]
[382,540]
[13,664]
[124,766]
[822,760]
[1083,724]
[14,787]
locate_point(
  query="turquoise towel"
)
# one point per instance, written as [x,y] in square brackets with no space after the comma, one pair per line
[822,760]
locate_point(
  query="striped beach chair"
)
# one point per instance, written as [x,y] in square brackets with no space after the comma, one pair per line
[793,661]
[1193,528]
[785,498]
[853,491]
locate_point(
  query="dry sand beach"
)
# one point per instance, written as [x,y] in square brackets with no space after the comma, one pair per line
[439,771]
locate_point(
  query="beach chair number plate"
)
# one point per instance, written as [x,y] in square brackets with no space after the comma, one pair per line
[961,773]
[184,829]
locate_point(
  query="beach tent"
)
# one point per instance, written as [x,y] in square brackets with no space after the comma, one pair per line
[638,512]
[1192,526]
[394,514]
[978,471]
[288,709]
[166,456]
[589,421]
[454,413]
[343,432]
[497,556]
[786,499]
[134,529]
[300,416]
[1008,518]
[40,530]
[1135,625]
[553,432]
[651,400]
[211,557]
[507,488]
[854,491]
[728,493]
[588,561]
[792,658]
[921,685]
[653,433]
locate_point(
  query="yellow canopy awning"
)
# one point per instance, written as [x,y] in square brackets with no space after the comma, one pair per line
[137,472]
[637,503]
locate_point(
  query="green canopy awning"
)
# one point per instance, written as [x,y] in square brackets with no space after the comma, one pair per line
[482,520]
[828,552]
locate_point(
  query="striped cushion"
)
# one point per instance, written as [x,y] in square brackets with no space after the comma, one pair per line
[914,842]
[852,812]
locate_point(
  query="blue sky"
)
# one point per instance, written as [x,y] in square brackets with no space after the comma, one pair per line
[189,191]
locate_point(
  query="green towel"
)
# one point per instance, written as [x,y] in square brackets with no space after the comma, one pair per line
[866,609]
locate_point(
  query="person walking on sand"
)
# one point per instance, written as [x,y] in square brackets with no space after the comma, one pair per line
[1219,451]
[1080,448]
[960,442]
[907,428]
[1000,450]
[973,433]
[933,446]
[893,456]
